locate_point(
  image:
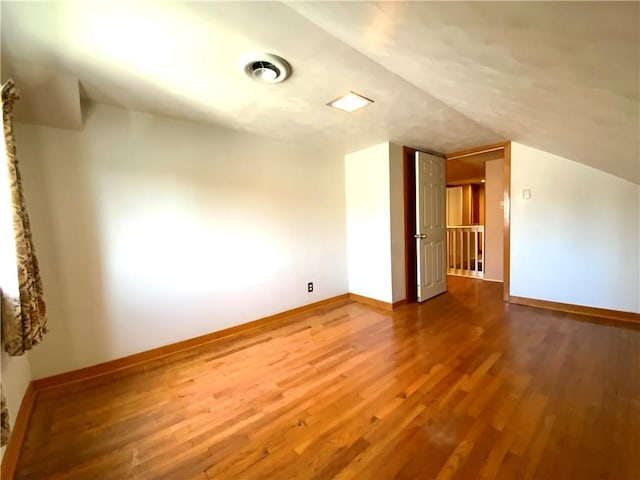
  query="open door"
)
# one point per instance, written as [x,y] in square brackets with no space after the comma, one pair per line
[430,225]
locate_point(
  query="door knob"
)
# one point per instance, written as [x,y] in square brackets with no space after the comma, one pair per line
[421,235]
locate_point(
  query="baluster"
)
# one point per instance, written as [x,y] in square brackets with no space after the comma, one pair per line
[450,240]
[461,251]
[475,246]
[468,232]
[455,247]
[483,262]
[449,252]
[465,259]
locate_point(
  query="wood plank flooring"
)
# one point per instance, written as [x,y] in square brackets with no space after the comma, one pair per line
[462,387]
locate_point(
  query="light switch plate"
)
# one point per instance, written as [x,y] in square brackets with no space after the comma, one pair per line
[526,194]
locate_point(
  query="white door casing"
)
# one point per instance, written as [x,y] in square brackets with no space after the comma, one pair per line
[430,225]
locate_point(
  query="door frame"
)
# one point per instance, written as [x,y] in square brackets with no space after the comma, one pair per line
[410,253]
[410,267]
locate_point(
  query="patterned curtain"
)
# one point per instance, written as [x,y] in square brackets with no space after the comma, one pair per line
[24,320]
[22,308]
[4,420]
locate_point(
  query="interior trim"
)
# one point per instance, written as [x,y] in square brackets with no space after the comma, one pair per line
[399,303]
[376,303]
[410,254]
[371,301]
[474,151]
[14,447]
[578,309]
[111,366]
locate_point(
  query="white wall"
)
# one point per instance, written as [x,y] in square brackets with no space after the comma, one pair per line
[47,96]
[375,222]
[577,239]
[152,230]
[368,224]
[396,181]
[454,206]
[16,375]
[494,220]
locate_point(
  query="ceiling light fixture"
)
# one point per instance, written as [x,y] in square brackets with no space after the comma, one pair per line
[265,68]
[350,102]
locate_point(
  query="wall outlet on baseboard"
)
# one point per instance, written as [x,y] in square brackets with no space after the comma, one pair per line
[310,287]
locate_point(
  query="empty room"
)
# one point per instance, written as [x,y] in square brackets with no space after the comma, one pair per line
[296,240]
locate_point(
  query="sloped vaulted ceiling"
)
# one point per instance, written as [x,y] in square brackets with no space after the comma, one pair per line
[180,59]
[561,77]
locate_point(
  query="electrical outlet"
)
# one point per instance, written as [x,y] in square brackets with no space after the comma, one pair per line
[310,287]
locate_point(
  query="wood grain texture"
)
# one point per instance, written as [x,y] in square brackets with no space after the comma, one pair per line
[398,304]
[474,151]
[578,309]
[16,440]
[460,387]
[156,353]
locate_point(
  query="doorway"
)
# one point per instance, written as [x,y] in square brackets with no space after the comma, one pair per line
[489,259]
[475,189]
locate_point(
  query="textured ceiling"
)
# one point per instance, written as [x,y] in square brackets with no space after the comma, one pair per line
[559,76]
[444,76]
[180,59]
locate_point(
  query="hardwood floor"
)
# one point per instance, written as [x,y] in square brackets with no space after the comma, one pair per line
[463,386]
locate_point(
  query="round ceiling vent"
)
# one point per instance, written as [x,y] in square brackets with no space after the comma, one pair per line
[265,68]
